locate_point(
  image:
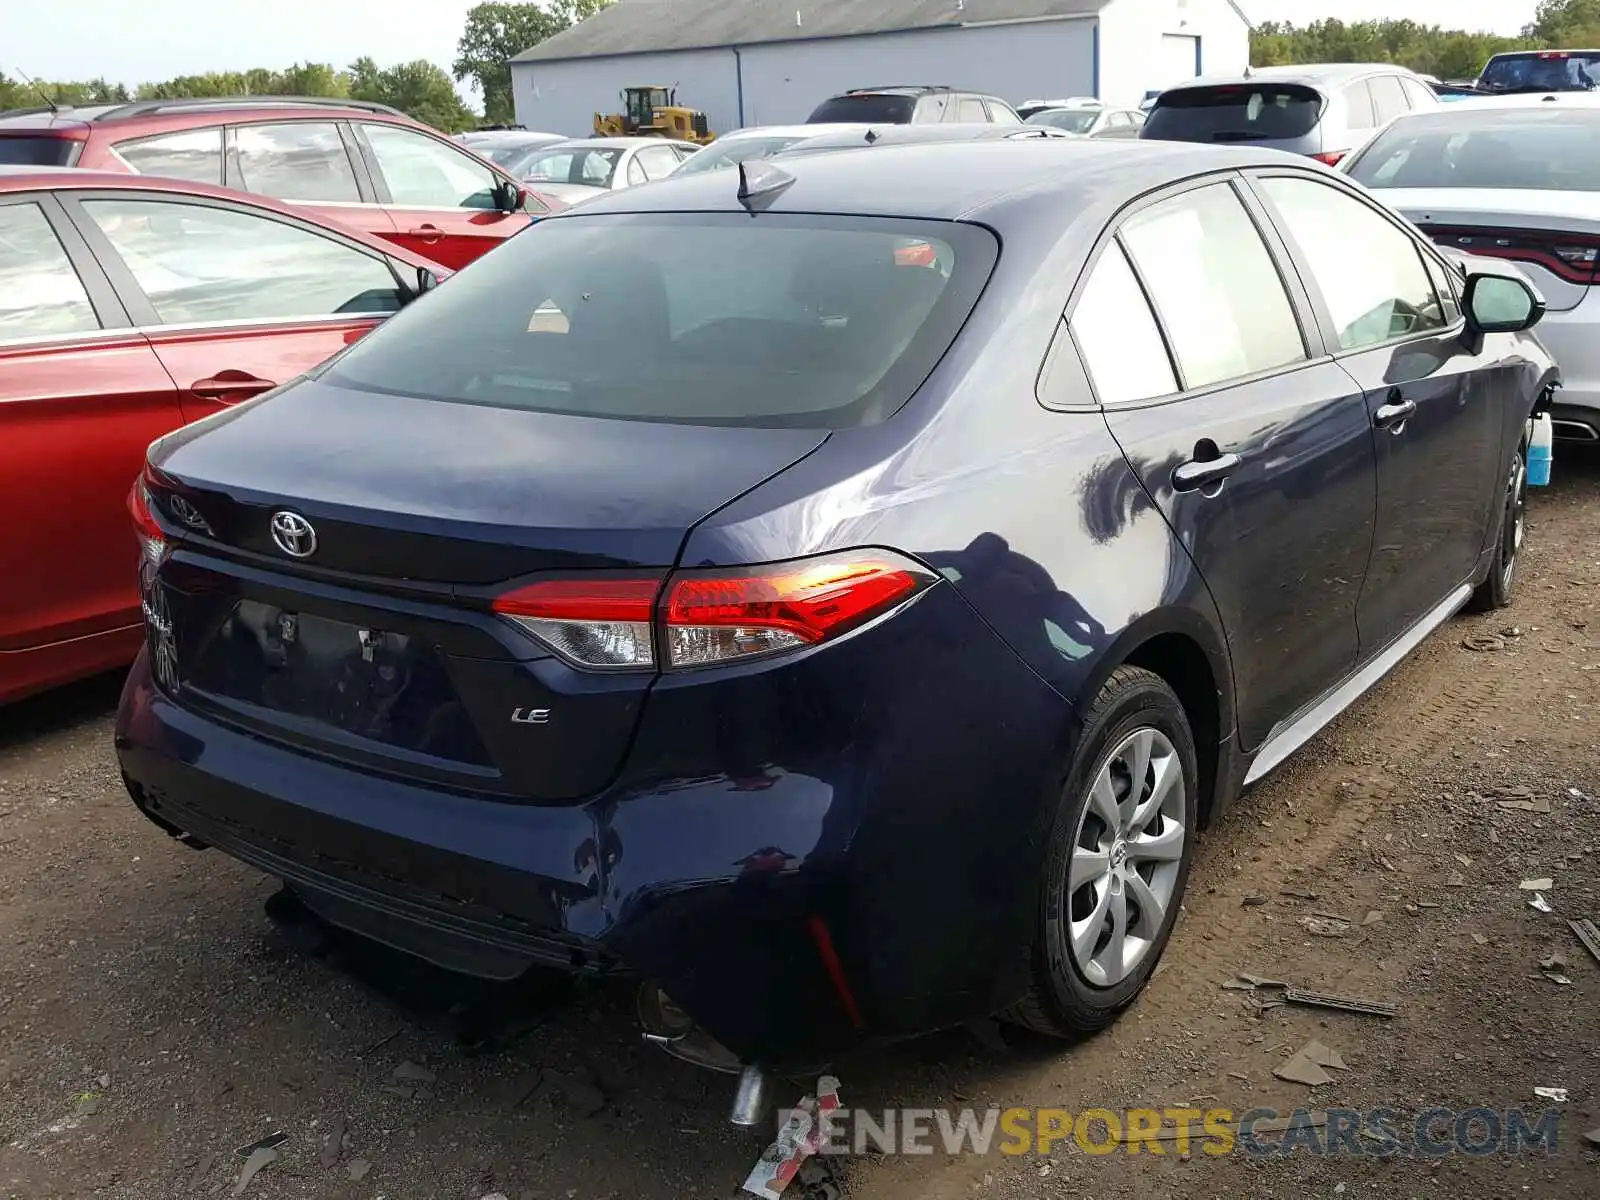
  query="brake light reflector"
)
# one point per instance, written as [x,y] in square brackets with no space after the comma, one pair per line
[601,623]
[1331,159]
[152,542]
[721,616]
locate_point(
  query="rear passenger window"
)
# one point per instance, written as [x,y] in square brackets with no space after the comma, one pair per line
[40,292]
[303,160]
[1118,337]
[1418,94]
[1001,113]
[1358,106]
[1388,98]
[194,154]
[1214,286]
[972,110]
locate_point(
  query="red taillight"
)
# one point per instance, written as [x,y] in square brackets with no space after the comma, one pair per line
[1332,158]
[152,542]
[602,623]
[1574,257]
[714,616]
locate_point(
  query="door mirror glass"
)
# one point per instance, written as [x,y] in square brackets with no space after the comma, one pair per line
[426,280]
[1499,304]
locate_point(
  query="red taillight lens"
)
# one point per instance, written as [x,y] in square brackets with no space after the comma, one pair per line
[601,623]
[152,542]
[1331,159]
[716,616]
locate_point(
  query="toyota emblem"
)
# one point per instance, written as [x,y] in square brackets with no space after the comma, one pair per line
[293,534]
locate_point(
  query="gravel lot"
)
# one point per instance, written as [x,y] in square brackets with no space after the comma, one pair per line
[152,1020]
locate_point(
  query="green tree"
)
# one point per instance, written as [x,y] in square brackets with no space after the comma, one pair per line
[497,32]
[419,89]
[1446,53]
[1573,23]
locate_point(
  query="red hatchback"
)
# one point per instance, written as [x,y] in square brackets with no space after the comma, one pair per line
[364,165]
[128,307]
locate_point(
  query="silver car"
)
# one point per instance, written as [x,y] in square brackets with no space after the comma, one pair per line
[1519,179]
[757,141]
[582,168]
[1323,111]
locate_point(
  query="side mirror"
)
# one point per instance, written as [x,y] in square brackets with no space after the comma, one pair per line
[426,280]
[509,197]
[1501,304]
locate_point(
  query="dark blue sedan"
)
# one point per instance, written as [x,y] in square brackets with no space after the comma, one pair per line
[836,592]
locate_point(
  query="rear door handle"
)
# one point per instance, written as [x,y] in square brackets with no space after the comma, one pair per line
[1395,413]
[1196,473]
[230,383]
[427,234]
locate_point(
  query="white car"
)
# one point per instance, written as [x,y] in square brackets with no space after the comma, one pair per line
[1084,121]
[582,168]
[1514,178]
[756,141]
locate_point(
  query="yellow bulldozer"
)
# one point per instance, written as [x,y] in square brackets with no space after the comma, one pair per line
[653,112]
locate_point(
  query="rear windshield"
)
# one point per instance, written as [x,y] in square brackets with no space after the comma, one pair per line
[1235,113]
[1542,151]
[1073,120]
[1542,71]
[39,151]
[731,153]
[706,318]
[868,109]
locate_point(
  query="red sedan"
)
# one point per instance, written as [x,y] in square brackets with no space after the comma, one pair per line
[129,306]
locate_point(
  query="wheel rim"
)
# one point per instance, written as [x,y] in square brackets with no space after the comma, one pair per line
[1516,520]
[1126,858]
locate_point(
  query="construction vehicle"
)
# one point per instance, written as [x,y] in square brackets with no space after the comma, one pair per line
[653,112]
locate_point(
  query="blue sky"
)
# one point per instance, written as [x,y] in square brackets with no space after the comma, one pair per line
[136,40]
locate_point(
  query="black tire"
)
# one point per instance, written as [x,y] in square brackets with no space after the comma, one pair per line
[1062,1001]
[1495,592]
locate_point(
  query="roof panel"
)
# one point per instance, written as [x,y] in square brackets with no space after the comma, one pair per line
[637,26]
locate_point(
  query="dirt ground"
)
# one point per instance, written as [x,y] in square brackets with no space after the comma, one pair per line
[152,1020]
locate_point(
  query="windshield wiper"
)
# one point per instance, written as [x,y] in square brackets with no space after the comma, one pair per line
[1238,135]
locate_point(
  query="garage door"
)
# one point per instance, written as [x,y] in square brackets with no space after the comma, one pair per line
[1180,56]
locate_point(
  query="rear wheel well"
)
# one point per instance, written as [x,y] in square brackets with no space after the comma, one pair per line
[1181,662]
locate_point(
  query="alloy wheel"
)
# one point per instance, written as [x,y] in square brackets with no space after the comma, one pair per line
[1126,858]
[1515,522]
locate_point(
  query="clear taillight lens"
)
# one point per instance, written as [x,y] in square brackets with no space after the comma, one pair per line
[708,617]
[603,624]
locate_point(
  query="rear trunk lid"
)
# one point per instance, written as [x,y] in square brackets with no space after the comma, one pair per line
[1554,236]
[363,630]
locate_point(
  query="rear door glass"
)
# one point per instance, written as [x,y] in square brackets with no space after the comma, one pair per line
[1388,98]
[1235,113]
[1214,285]
[299,160]
[1358,106]
[192,154]
[971,110]
[40,292]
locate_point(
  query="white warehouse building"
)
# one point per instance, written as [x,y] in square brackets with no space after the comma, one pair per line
[771,62]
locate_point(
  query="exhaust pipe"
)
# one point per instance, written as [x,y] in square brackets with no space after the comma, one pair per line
[1577,431]
[750,1106]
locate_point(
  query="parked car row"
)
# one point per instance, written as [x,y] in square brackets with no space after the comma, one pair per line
[476,612]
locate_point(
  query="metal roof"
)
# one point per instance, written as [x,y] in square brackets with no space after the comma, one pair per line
[642,26]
